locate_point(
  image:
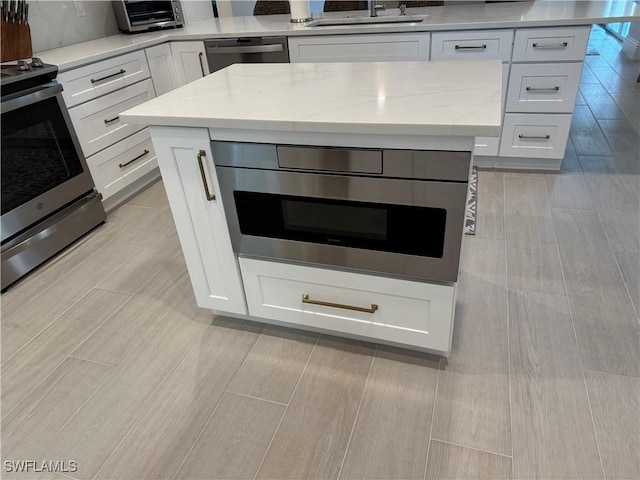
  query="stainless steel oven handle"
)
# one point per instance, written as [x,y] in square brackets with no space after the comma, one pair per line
[248,49]
[199,156]
[47,91]
[372,309]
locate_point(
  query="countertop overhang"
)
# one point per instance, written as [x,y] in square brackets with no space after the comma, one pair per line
[377,98]
[539,13]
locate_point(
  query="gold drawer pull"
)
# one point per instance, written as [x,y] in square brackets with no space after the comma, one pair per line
[543,89]
[471,47]
[199,156]
[107,121]
[372,309]
[122,165]
[550,45]
[96,80]
[535,137]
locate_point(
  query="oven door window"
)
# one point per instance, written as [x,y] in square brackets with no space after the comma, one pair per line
[413,230]
[38,153]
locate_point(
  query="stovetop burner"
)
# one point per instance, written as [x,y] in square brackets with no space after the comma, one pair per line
[24,75]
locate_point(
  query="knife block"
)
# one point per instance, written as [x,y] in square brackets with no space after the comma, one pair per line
[15,41]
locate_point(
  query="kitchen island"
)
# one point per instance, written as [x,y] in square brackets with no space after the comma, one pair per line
[403,129]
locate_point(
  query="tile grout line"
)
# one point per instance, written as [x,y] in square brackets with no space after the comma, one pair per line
[355,419]
[611,373]
[575,336]
[215,409]
[433,416]
[472,448]
[255,398]
[91,361]
[275,432]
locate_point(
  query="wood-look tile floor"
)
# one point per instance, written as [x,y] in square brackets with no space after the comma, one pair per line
[107,362]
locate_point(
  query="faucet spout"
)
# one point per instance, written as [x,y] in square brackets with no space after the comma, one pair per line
[374,6]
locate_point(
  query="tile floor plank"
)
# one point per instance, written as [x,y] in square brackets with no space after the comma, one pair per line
[567,189]
[586,135]
[490,208]
[472,405]
[602,106]
[27,429]
[453,462]
[27,368]
[391,434]
[158,443]
[234,441]
[615,402]
[325,403]
[153,196]
[532,254]
[275,364]
[25,323]
[604,318]
[629,264]
[553,435]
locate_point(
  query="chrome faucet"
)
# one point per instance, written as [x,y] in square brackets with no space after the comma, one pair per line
[374,6]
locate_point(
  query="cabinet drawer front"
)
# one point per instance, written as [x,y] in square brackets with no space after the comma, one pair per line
[359,48]
[401,311]
[547,87]
[542,44]
[486,44]
[89,82]
[116,167]
[531,135]
[97,123]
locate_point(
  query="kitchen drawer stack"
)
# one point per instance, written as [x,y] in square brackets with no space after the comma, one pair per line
[545,73]
[118,154]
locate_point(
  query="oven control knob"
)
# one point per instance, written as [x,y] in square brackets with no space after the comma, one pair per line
[36,62]
[22,65]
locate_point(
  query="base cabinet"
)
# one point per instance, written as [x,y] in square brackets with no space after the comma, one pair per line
[379,308]
[189,176]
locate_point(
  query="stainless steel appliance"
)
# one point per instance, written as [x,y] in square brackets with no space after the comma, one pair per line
[48,195]
[397,212]
[142,15]
[224,52]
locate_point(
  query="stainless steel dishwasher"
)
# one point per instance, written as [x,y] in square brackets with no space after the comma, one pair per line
[224,52]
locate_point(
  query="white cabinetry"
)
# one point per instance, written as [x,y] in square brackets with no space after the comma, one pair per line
[189,176]
[190,61]
[162,67]
[382,47]
[96,94]
[379,308]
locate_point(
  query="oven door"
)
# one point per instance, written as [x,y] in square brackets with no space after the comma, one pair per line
[406,228]
[43,168]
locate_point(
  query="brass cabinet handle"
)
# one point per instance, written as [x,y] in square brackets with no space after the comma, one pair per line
[372,309]
[96,80]
[543,89]
[550,45]
[107,121]
[122,165]
[536,137]
[471,47]
[201,63]
[201,154]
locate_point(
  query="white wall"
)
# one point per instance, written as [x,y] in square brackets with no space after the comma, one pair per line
[196,10]
[245,7]
[54,23]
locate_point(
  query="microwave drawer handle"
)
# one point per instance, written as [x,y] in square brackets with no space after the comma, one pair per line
[248,49]
[208,194]
[549,45]
[543,89]
[372,309]
[534,137]
[471,47]
[96,80]
[122,165]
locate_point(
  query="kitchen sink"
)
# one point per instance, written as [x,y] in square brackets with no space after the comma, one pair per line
[333,22]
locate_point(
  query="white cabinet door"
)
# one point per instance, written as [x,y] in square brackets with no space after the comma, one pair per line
[380,47]
[190,60]
[189,176]
[162,67]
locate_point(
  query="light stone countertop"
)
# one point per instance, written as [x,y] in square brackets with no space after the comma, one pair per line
[537,13]
[381,98]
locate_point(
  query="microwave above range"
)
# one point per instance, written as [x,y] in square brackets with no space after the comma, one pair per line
[135,16]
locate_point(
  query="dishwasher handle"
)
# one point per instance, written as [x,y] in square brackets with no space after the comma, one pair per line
[278,47]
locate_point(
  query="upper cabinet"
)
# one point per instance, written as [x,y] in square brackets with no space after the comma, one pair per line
[190,60]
